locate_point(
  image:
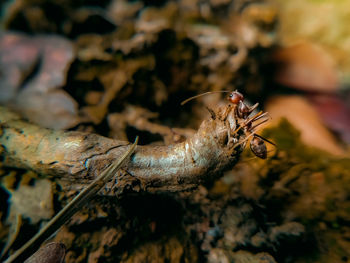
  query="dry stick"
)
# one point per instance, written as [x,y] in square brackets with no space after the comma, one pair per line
[72,207]
[79,157]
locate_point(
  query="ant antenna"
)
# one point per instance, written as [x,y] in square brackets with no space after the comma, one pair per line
[203,94]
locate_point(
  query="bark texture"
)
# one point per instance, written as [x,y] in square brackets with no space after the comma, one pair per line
[80,157]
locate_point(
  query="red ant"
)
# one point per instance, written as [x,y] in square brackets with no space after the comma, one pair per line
[242,110]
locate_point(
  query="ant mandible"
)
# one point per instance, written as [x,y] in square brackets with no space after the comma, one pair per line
[243,111]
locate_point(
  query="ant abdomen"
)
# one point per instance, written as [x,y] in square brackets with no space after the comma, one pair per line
[258,147]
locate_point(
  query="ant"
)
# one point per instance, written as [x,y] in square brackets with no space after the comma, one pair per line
[243,111]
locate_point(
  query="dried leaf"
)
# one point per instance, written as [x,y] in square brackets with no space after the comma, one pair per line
[334,112]
[322,22]
[54,109]
[306,66]
[34,68]
[303,116]
[17,60]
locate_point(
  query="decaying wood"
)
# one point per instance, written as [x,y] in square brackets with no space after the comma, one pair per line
[72,207]
[52,253]
[80,157]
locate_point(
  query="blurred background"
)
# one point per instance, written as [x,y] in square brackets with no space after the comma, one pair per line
[290,56]
[102,66]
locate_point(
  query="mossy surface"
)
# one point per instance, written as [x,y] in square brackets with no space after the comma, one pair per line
[312,187]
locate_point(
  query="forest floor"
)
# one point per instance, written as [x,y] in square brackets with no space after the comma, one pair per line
[87,77]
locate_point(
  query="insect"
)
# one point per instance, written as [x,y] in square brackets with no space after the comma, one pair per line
[243,111]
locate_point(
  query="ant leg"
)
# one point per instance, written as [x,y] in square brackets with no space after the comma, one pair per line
[253,129]
[256,117]
[245,139]
[257,125]
[252,108]
[266,140]
[266,114]
[235,131]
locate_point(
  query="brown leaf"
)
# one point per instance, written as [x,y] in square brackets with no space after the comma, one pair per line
[33,68]
[54,109]
[17,59]
[304,117]
[306,66]
[334,112]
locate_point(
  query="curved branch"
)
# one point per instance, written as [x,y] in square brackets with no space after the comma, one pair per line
[81,157]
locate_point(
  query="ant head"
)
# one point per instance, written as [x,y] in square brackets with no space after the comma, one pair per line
[235,97]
